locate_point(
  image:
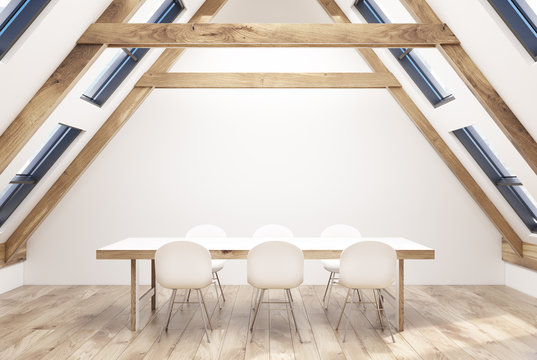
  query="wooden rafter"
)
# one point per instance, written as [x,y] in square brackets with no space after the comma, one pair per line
[529,260]
[436,141]
[19,256]
[268,80]
[54,90]
[480,87]
[268,35]
[107,131]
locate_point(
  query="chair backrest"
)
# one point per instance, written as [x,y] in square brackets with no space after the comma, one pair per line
[206,230]
[367,265]
[183,265]
[275,265]
[341,230]
[273,230]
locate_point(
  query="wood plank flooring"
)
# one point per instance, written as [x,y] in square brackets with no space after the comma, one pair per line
[92,322]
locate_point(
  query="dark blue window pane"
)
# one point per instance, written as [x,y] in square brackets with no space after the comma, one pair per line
[411,61]
[125,61]
[21,185]
[508,185]
[15,19]
[521,19]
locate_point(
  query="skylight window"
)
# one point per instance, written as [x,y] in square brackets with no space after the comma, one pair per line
[507,184]
[15,17]
[412,60]
[521,17]
[35,169]
[126,59]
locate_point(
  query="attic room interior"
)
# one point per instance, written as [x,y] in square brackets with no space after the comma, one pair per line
[247,179]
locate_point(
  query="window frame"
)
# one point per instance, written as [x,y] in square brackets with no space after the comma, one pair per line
[109,80]
[22,184]
[22,15]
[411,63]
[507,184]
[519,22]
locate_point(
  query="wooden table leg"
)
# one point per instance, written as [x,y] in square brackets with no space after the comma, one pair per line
[400,296]
[134,296]
[153,285]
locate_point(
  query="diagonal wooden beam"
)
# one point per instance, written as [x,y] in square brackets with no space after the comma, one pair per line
[19,256]
[436,141]
[268,80]
[268,35]
[107,131]
[529,260]
[480,87]
[54,90]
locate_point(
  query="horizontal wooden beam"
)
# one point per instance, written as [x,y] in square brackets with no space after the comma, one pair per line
[19,256]
[268,80]
[482,89]
[529,260]
[62,80]
[268,35]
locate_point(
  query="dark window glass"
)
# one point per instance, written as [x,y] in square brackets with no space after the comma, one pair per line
[15,17]
[507,184]
[21,185]
[410,60]
[127,59]
[521,18]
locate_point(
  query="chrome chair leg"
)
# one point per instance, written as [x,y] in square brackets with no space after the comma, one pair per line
[220,286]
[349,317]
[253,302]
[288,293]
[205,307]
[217,293]
[381,300]
[187,295]
[329,293]
[379,307]
[201,301]
[169,315]
[343,309]
[259,301]
[327,286]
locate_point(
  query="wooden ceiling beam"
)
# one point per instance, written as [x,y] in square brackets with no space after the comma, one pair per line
[480,87]
[436,141]
[111,126]
[268,35]
[268,80]
[529,260]
[58,85]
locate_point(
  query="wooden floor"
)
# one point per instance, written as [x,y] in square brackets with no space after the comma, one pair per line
[92,322]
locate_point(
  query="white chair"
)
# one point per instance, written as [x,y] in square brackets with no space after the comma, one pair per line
[275,265]
[208,230]
[184,265]
[367,265]
[332,266]
[273,231]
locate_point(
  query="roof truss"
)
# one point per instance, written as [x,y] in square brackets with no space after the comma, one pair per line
[155,77]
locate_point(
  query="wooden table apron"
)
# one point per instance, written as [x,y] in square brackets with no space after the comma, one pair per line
[237,248]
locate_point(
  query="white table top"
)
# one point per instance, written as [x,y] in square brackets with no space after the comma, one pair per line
[144,247]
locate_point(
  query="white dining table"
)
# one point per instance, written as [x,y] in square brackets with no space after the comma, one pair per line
[144,248]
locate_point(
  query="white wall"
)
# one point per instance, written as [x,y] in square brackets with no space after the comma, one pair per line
[11,277]
[240,159]
[451,223]
[522,279]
